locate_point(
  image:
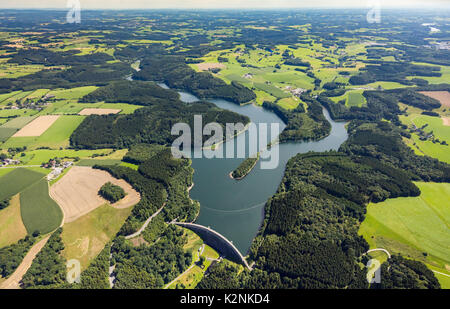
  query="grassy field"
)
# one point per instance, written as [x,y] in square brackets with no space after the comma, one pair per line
[352,98]
[16,181]
[192,277]
[37,157]
[9,128]
[88,235]
[39,212]
[56,136]
[435,124]
[416,227]
[11,225]
[73,93]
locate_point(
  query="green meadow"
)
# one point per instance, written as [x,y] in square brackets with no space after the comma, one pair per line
[39,211]
[17,180]
[416,227]
[441,132]
[56,136]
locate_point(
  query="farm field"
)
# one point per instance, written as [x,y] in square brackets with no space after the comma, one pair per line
[39,211]
[9,128]
[441,96]
[351,98]
[16,181]
[73,93]
[85,237]
[56,136]
[440,131]
[416,227]
[99,111]
[11,225]
[77,192]
[37,127]
[37,157]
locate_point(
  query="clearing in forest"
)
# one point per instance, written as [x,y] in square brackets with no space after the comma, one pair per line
[77,192]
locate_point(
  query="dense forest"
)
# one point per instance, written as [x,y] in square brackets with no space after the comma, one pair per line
[302,125]
[49,266]
[319,205]
[111,192]
[152,124]
[11,256]
[244,168]
[173,71]
[401,273]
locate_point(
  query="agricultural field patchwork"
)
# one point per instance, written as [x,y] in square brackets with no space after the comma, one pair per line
[18,180]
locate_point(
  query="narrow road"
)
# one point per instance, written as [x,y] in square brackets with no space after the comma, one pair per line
[438,272]
[380,249]
[13,282]
[19,166]
[147,222]
[202,248]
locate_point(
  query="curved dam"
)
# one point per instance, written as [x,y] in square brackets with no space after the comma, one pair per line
[217,241]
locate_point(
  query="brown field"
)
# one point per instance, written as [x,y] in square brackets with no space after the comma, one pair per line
[446,121]
[441,96]
[99,111]
[206,66]
[11,225]
[77,192]
[37,127]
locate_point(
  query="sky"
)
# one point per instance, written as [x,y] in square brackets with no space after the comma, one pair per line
[211,4]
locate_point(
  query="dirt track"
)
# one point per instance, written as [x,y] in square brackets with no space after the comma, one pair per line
[99,111]
[37,126]
[13,282]
[441,96]
[77,192]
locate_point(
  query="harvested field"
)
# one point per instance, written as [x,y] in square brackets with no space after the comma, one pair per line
[99,111]
[446,121]
[206,66]
[11,225]
[441,96]
[77,192]
[37,127]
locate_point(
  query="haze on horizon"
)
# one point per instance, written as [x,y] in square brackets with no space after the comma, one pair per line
[216,4]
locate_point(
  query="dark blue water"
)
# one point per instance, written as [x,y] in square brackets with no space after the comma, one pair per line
[236,208]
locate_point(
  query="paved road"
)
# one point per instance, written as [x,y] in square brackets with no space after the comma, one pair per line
[13,282]
[19,166]
[147,222]
[438,272]
[380,249]
[202,248]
